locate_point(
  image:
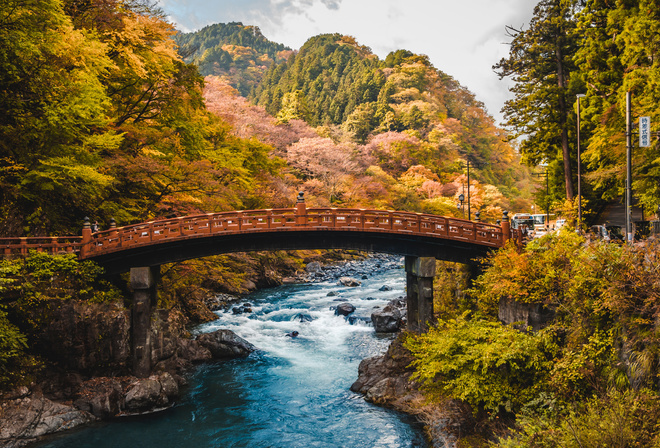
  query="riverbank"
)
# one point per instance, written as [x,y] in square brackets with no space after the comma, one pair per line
[386,380]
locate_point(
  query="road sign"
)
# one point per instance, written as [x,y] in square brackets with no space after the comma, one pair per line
[644,132]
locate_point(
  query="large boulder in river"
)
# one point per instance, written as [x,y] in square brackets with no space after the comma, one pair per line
[344,309]
[24,419]
[225,344]
[387,320]
[349,281]
[150,394]
[314,268]
[391,318]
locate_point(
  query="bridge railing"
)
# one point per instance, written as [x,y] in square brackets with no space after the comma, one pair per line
[291,220]
[11,247]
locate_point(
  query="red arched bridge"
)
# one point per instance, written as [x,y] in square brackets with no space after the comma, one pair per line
[176,239]
[142,248]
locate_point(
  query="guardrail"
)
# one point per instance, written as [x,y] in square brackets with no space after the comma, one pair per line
[10,247]
[256,221]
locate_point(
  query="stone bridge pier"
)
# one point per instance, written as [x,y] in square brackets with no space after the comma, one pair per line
[143,282]
[420,272]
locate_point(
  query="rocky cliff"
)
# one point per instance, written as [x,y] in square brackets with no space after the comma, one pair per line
[87,359]
[387,380]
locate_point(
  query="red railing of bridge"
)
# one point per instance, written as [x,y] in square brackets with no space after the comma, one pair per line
[254,221]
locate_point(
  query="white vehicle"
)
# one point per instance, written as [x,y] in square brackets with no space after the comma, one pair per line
[561,222]
[539,223]
[523,222]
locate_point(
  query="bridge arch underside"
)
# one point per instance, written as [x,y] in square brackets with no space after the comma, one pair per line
[184,249]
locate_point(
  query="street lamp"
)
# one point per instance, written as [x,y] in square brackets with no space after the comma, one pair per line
[461,198]
[579,162]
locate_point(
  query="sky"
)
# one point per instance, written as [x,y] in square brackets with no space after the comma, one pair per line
[463,38]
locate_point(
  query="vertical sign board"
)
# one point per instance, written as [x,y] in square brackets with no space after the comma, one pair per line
[644,132]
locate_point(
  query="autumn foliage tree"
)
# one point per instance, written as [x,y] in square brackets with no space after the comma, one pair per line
[540,63]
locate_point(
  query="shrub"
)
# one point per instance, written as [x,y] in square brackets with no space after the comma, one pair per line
[490,366]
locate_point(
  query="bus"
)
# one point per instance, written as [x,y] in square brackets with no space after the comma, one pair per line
[539,222]
[522,219]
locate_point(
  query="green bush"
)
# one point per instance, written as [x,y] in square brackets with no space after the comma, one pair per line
[617,419]
[488,365]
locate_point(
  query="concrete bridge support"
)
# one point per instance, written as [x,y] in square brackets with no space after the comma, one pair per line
[143,283]
[420,272]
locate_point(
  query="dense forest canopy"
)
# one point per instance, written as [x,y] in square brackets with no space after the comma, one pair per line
[600,49]
[238,52]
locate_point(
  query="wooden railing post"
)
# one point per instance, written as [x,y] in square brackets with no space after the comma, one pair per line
[506,227]
[86,245]
[301,210]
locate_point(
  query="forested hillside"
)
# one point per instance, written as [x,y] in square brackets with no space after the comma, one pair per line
[393,133]
[240,53]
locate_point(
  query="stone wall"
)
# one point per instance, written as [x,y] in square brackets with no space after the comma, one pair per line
[524,315]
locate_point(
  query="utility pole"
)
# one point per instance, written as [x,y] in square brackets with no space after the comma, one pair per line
[579,163]
[468,192]
[628,171]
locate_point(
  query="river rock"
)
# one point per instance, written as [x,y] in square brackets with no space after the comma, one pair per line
[386,380]
[314,268]
[219,301]
[149,394]
[385,288]
[102,397]
[344,309]
[304,318]
[225,344]
[387,320]
[193,351]
[349,281]
[391,318]
[241,309]
[23,420]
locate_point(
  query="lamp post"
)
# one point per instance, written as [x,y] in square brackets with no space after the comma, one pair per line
[467,161]
[461,198]
[579,163]
[468,192]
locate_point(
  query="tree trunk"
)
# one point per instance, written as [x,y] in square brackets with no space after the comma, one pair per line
[563,113]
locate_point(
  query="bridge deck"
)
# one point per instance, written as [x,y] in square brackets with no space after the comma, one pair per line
[269,221]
